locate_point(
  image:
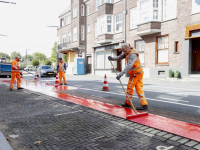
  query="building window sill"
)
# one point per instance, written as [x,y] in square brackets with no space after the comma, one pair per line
[169,20]
[163,64]
[193,13]
[176,52]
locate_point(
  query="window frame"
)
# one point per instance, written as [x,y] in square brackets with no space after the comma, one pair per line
[115,1]
[118,23]
[107,2]
[68,18]
[82,10]
[105,24]
[75,12]
[156,61]
[75,40]
[194,11]
[88,28]
[165,19]
[69,37]
[97,5]
[82,33]
[140,51]
[88,9]
[131,17]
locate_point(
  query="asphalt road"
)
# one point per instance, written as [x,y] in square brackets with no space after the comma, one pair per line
[179,102]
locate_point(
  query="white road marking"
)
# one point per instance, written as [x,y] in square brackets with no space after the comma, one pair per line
[172,99]
[68,113]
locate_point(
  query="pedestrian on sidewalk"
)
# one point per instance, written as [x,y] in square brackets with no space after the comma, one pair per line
[61,69]
[135,70]
[15,72]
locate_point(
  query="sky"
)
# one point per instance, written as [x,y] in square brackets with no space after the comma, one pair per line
[25,24]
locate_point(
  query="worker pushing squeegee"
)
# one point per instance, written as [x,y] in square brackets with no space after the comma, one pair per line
[135,70]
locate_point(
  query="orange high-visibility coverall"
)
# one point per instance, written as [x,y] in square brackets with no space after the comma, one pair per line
[15,73]
[61,73]
[135,80]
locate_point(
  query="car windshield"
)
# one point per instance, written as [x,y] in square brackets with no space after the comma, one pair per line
[46,67]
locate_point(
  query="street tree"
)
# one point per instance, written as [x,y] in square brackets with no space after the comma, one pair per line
[48,62]
[34,62]
[39,56]
[30,57]
[14,54]
[5,56]
[53,57]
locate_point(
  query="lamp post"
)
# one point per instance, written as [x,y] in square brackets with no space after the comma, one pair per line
[26,55]
[7,2]
[57,29]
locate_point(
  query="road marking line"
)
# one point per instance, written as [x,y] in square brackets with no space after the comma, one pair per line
[172,99]
[68,113]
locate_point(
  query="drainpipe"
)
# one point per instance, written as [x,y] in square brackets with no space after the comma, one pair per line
[85,36]
[125,13]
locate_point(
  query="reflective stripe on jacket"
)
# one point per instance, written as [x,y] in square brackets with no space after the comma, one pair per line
[61,67]
[15,66]
[137,68]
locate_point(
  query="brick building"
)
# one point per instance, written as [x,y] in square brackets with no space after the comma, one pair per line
[166,34]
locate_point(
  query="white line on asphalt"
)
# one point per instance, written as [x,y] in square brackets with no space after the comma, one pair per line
[68,113]
[172,99]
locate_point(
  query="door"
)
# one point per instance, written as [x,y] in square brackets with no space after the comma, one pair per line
[89,64]
[119,68]
[196,55]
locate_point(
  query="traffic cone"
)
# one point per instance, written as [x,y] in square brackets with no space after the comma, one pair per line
[36,78]
[105,84]
[57,81]
[21,76]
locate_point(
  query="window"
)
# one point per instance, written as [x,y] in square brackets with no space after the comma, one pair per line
[95,30]
[69,37]
[195,6]
[58,40]
[162,50]
[82,10]
[169,9]
[98,3]
[148,13]
[176,47]
[101,25]
[107,1]
[62,22]
[133,18]
[82,33]
[74,34]
[64,40]
[88,9]
[109,24]
[88,29]
[118,22]
[116,1]
[101,59]
[74,12]
[68,18]
[140,49]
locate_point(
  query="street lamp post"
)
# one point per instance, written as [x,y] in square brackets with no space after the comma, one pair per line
[26,55]
[7,2]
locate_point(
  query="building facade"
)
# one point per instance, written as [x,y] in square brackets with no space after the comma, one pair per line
[166,33]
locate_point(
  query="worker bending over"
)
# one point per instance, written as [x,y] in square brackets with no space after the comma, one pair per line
[135,70]
[15,72]
[61,69]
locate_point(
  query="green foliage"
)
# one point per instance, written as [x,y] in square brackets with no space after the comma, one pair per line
[39,56]
[171,73]
[42,62]
[53,57]
[48,62]
[30,57]
[5,56]
[14,54]
[65,58]
[177,74]
[35,62]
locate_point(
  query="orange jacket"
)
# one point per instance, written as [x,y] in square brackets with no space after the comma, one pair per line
[15,66]
[137,68]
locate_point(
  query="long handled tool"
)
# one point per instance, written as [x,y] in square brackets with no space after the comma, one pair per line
[124,89]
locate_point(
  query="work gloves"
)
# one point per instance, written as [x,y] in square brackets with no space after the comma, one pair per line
[118,76]
[110,58]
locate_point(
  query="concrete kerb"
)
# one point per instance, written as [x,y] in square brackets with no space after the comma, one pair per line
[4,145]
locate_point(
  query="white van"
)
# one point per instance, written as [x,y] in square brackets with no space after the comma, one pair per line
[29,68]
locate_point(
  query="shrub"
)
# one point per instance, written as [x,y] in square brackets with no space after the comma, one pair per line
[35,62]
[171,73]
[48,62]
[177,74]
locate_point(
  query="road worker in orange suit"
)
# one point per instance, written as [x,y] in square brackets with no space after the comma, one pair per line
[15,73]
[135,70]
[61,69]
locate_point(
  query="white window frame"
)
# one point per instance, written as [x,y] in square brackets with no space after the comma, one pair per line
[96,32]
[115,1]
[133,18]
[140,47]
[82,32]
[68,18]
[88,9]
[102,25]
[58,42]
[69,37]
[64,40]
[88,28]
[75,12]
[82,10]
[119,22]
[172,10]
[107,1]
[195,9]
[109,23]
[75,33]
[98,3]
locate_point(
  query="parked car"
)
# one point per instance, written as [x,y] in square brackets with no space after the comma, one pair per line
[45,71]
[30,68]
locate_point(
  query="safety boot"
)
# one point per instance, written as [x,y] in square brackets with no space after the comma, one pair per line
[11,89]
[125,105]
[65,84]
[143,107]
[60,84]
[20,88]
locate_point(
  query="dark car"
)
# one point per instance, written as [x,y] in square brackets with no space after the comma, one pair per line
[45,71]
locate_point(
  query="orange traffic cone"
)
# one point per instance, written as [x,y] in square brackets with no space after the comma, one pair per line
[36,76]
[105,84]
[57,81]
[21,76]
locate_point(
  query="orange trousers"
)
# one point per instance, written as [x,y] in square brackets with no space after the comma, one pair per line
[13,75]
[136,82]
[62,76]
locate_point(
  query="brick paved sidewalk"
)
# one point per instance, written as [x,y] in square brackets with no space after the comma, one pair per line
[27,117]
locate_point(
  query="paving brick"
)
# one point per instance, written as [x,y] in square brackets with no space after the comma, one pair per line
[162,133]
[175,138]
[183,147]
[149,130]
[197,147]
[191,143]
[168,136]
[183,140]
[173,143]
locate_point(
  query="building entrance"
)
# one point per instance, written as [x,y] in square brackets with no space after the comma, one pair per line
[195,60]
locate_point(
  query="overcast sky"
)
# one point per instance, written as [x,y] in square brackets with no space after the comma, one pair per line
[25,24]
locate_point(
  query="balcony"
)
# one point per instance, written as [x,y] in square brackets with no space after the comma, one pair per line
[62,46]
[106,8]
[105,38]
[148,28]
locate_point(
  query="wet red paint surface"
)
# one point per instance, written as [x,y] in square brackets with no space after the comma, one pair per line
[169,125]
